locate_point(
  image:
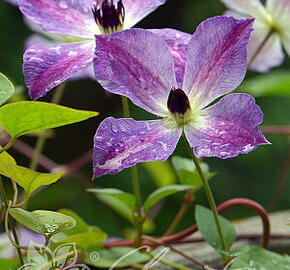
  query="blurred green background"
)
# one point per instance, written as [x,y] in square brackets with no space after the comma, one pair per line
[254,175]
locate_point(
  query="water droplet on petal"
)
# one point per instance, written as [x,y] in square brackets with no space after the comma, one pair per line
[115,129]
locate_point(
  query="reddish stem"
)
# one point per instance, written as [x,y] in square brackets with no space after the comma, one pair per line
[283,130]
[221,208]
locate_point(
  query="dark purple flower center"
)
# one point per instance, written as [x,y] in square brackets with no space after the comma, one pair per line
[109,18]
[177,102]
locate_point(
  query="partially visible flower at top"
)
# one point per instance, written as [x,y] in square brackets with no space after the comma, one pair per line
[137,63]
[47,39]
[271,24]
[45,68]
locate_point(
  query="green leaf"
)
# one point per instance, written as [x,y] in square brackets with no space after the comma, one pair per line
[187,173]
[80,227]
[28,179]
[5,158]
[6,89]
[207,227]
[43,222]
[124,197]
[9,264]
[257,258]
[118,206]
[161,172]
[28,116]
[109,256]
[161,193]
[85,240]
[275,83]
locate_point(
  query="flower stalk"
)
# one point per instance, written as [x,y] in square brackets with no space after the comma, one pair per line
[138,216]
[209,196]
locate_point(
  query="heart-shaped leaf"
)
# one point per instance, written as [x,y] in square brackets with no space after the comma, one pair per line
[6,89]
[28,116]
[43,222]
[163,192]
[257,258]
[5,158]
[28,179]
[208,229]
[124,197]
[80,227]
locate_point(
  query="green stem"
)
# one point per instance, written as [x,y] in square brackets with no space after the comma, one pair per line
[8,145]
[42,137]
[5,200]
[260,48]
[209,195]
[125,105]
[136,187]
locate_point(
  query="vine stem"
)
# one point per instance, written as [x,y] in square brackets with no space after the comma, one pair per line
[42,138]
[5,200]
[208,194]
[156,241]
[138,217]
[260,48]
[222,207]
[8,145]
[171,264]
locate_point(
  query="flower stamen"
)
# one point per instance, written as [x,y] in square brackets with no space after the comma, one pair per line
[179,106]
[109,18]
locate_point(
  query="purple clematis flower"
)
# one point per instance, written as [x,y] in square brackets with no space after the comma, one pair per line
[138,64]
[272,17]
[45,68]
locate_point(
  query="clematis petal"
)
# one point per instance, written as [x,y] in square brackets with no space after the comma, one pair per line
[121,143]
[138,64]
[66,17]
[45,68]
[271,54]
[254,8]
[177,42]
[228,128]
[135,11]
[280,11]
[216,59]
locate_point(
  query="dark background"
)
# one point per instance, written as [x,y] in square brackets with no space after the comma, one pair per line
[254,175]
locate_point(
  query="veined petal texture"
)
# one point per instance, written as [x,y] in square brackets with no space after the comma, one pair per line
[45,68]
[177,42]
[138,64]
[216,58]
[228,128]
[121,143]
[66,17]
